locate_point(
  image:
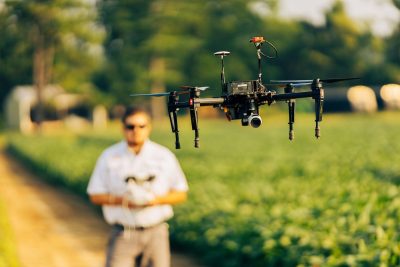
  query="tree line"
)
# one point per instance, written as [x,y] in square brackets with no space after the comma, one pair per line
[109,49]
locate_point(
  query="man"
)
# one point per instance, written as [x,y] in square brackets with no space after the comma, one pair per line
[136,181]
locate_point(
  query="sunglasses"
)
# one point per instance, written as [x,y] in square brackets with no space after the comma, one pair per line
[133,127]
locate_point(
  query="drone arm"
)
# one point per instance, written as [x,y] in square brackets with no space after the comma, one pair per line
[288,96]
[210,101]
[201,102]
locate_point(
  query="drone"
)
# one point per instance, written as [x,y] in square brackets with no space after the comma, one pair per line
[241,100]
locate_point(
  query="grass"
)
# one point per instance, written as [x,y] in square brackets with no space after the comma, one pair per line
[257,199]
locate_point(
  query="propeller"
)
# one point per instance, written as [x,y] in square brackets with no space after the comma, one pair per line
[298,83]
[334,80]
[155,94]
[282,84]
[188,88]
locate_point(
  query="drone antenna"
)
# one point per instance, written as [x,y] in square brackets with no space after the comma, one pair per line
[222,54]
[258,41]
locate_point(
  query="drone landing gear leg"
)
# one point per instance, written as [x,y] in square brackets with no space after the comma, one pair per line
[319,103]
[195,126]
[318,116]
[291,106]
[174,126]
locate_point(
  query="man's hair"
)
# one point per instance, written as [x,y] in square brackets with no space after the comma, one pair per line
[133,110]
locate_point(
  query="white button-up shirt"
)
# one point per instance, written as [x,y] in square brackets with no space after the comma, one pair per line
[117,163]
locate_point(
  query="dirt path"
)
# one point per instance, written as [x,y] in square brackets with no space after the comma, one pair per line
[54,228]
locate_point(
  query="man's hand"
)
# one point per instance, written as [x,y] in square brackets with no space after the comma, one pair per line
[110,199]
[138,194]
[172,198]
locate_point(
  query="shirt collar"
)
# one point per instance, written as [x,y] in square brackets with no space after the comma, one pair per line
[144,147]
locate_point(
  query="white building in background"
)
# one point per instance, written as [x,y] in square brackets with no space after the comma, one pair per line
[21,100]
[362,99]
[390,94]
[19,103]
[18,107]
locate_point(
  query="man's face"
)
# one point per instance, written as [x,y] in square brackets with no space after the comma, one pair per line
[137,129]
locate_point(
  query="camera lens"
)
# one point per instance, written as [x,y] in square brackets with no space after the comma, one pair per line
[255,120]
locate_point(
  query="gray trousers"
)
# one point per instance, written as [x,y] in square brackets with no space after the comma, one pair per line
[139,247]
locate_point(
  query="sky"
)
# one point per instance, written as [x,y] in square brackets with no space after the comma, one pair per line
[382,15]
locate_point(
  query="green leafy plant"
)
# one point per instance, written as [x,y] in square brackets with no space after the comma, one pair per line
[257,199]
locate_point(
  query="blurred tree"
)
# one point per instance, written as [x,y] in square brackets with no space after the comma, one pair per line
[15,63]
[155,44]
[127,26]
[339,48]
[332,49]
[393,52]
[397,3]
[62,33]
[227,25]
[143,38]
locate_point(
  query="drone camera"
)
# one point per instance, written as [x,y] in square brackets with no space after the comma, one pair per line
[255,120]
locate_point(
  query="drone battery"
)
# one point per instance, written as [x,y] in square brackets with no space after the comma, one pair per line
[241,87]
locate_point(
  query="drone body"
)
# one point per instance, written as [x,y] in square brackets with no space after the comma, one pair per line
[241,100]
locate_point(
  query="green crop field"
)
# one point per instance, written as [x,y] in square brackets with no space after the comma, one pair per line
[257,199]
